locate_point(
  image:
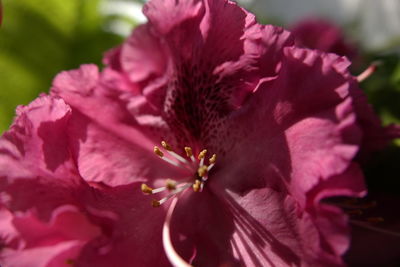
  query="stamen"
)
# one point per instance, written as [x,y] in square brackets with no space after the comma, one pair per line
[202,154]
[202,185]
[155,203]
[171,184]
[196,186]
[166,146]
[158,152]
[202,171]
[172,153]
[373,228]
[189,153]
[172,255]
[368,72]
[213,159]
[146,189]
[158,190]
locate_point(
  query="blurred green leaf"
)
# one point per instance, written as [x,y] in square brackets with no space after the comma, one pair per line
[40,38]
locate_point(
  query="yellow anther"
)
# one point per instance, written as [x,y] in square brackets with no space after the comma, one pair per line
[202,171]
[166,146]
[202,154]
[188,151]
[213,159]
[196,186]
[158,152]
[146,189]
[170,184]
[155,203]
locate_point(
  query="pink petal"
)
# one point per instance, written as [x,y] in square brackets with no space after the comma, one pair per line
[222,55]
[201,230]
[301,124]
[106,158]
[142,55]
[261,228]
[323,35]
[36,142]
[81,90]
[52,243]
[132,229]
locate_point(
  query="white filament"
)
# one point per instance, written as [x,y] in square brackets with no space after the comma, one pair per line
[172,255]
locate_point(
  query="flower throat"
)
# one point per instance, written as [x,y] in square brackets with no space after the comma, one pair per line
[195,166]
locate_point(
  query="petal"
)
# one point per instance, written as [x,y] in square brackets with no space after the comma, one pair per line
[132,229]
[321,34]
[301,123]
[45,205]
[36,142]
[35,158]
[48,243]
[106,158]
[375,136]
[81,89]
[142,55]
[41,256]
[201,230]
[330,220]
[271,229]
[214,54]
[261,228]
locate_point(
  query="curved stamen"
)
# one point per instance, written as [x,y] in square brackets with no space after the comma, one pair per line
[366,73]
[172,255]
[374,228]
[189,153]
[156,203]
[181,163]
[172,153]
[159,153]
[201,156]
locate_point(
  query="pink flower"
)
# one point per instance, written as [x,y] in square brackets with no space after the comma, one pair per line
[200,75]
[322,35]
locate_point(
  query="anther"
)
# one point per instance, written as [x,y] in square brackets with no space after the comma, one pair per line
[202,171]
[196,186]
[202,154]
[146,189]
[213,159]
[158,152]
[155,203]
[188,151]
[170,184]
[166,146]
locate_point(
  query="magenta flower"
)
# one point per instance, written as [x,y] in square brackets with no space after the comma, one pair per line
[323,35]
[277,122]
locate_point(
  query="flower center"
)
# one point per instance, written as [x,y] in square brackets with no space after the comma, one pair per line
[197,167]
